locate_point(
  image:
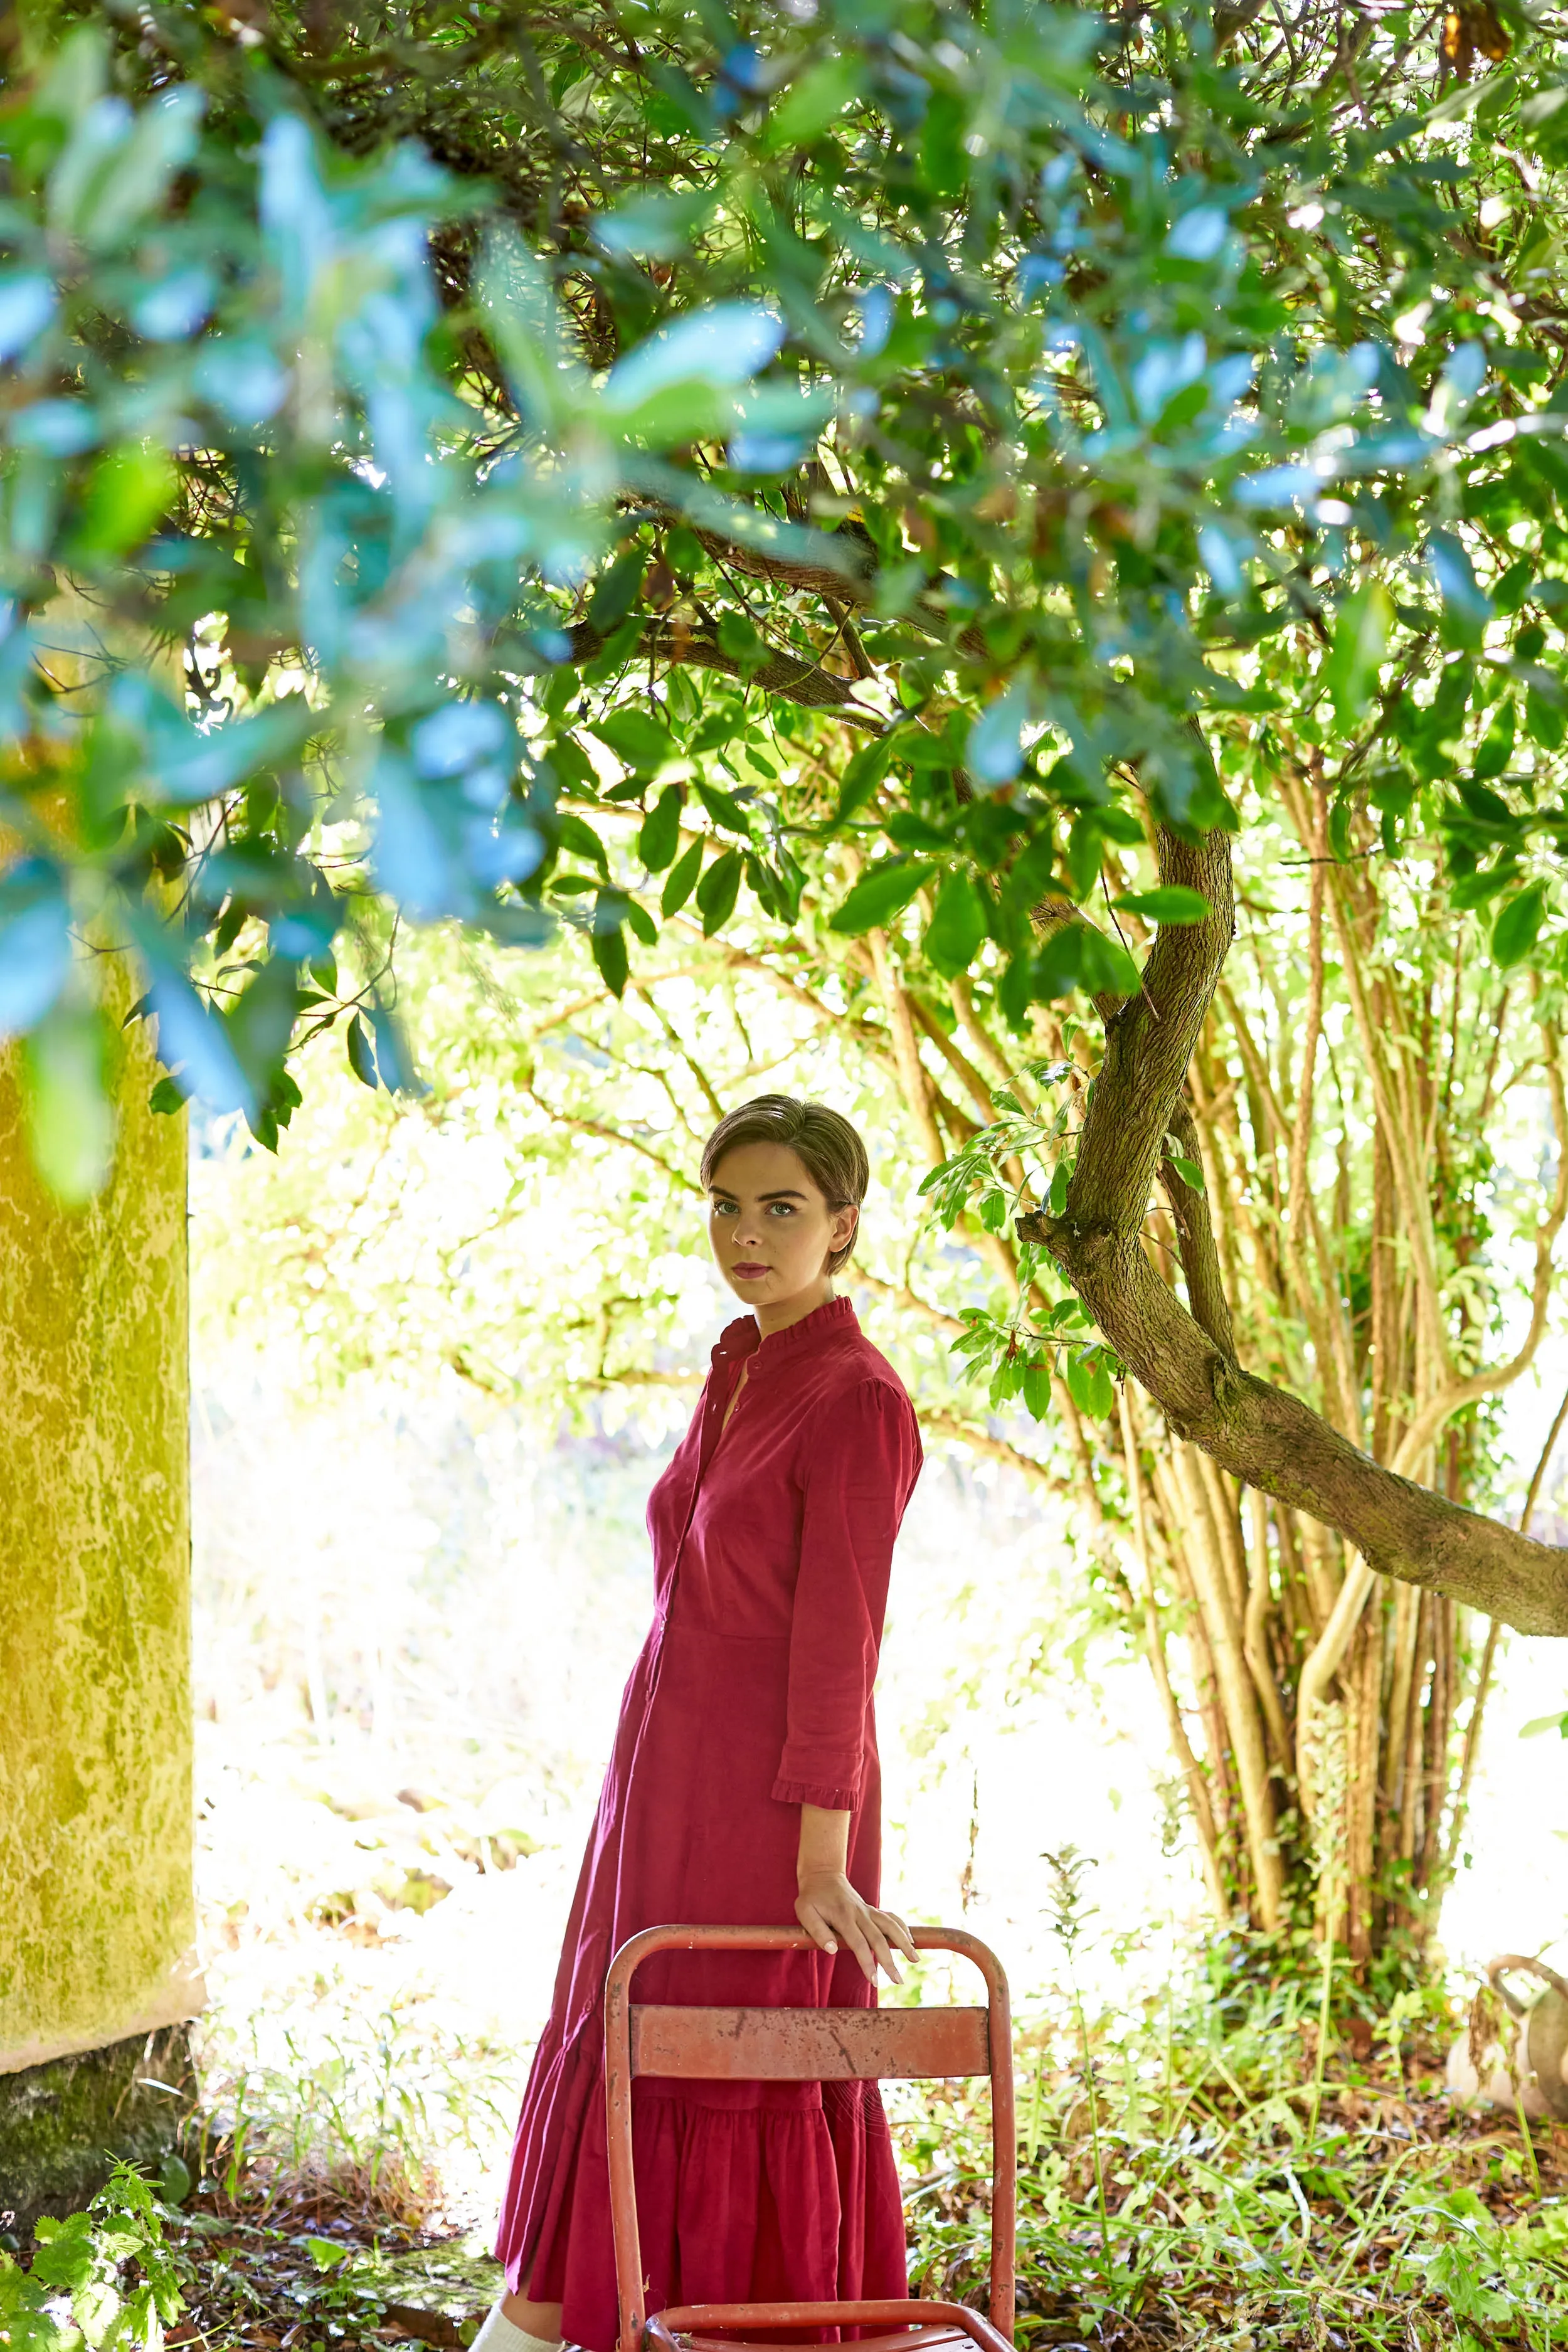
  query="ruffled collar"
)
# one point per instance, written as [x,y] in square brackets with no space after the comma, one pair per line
[824,1326]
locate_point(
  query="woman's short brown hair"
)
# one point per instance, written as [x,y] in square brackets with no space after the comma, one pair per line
[823,1141]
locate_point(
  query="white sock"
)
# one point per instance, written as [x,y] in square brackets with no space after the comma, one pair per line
[498,2334]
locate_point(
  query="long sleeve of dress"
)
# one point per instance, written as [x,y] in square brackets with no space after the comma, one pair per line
[865,1457]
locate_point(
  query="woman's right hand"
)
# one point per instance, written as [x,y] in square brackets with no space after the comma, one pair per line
[833,1914]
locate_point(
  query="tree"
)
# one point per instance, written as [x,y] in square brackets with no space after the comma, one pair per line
[1075,437]
[539,1207]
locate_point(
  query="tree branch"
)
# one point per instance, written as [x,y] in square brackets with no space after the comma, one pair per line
[788,675]
[1149,1042]
[1262,1435]
[1200,1258]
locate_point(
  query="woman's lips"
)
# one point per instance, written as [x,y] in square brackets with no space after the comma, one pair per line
[750,1270]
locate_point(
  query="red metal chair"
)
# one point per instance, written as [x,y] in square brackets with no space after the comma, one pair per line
[803,2045]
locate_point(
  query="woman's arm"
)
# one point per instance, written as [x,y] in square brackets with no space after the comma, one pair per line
[828,1908]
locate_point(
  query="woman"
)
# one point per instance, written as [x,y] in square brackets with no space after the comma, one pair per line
[745,1784]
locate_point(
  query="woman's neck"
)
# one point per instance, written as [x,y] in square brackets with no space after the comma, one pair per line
[783,1312]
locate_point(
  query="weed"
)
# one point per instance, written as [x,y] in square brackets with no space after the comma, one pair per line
[103,2277]
[1186,2175]
[351,2119]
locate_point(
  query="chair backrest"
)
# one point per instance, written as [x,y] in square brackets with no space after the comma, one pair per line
[795,2045]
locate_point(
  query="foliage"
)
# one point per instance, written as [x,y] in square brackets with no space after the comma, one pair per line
[529,1226]
[873,493]
[353,2125]
[104,2277]
[1206,2199]
[1043,404]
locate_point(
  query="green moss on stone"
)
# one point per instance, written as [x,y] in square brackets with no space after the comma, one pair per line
[61,2126]
[96,1909]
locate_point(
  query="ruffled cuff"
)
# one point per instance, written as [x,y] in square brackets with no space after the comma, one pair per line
[815,1792]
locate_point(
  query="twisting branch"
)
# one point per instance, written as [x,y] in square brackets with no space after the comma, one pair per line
[1261,1434]
[1194,1229]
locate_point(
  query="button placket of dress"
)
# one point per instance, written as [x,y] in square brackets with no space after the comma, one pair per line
[713,1429]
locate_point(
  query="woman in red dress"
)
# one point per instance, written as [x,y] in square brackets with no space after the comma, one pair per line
[744,1785]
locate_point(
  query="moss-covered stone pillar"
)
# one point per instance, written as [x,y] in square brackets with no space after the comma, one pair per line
[96,1910]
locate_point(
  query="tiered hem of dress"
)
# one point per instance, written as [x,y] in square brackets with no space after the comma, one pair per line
[746,2192]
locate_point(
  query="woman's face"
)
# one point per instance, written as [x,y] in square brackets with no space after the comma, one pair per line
[772,1231]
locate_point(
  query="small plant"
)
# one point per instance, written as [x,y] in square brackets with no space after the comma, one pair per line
[102,2278]
[1069,1917]
[357,2116]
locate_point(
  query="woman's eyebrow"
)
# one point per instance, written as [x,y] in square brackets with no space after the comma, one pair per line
[781,1196]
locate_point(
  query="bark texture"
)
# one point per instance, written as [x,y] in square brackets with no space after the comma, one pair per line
[1262,1435]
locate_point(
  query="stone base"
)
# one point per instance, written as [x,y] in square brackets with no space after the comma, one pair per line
[62,2124]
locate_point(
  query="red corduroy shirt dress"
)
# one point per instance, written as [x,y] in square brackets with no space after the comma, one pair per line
[771,1539]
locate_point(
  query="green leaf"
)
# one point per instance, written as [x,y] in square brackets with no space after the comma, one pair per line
[128,492]
[573,766]
[659,836]
[581,840]
[393,1061]
[1173,902]
[1496,749]
[993,754]
[642,923]
[608,942]
[880,895]
[1037,1387]
[812,103]
[70,1121]
[1362,631]
[1544,723]
[942,158]
[724,809]
[740,640]
[1090,1384]
[1105,967]
[361,1052]
[1467,608]
[1518,926]
[617,592]
[325,2254]
[957,928]
[682,880]
[861,778]
[1086,853]
[1190,1174]
[635,737]
[1016,990]
[1059,962]
[654,227]
[718,891]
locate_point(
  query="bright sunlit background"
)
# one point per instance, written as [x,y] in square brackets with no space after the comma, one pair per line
[417,1599]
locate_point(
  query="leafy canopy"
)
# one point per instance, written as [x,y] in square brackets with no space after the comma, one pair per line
[891,452]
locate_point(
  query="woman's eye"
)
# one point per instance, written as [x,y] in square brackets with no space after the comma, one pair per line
[780,1209]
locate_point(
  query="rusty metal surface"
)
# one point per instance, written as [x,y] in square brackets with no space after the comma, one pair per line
[994,2335]
[913,2327]
[657,2336]
[810,2045]
[658,2332]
